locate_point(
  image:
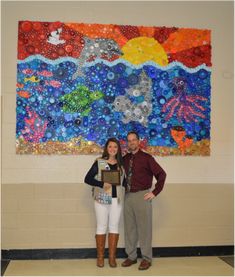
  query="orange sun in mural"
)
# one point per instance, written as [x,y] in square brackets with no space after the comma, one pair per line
[142,49]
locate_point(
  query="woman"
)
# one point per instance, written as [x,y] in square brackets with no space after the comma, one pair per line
[108,200]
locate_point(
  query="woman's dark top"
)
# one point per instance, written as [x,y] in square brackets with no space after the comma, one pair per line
[90,177]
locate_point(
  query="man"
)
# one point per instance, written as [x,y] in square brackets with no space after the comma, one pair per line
[140,168]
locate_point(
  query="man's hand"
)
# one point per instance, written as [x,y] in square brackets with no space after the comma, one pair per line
[149,196]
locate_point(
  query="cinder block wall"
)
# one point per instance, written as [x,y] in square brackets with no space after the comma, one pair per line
[44,201]
[62,216]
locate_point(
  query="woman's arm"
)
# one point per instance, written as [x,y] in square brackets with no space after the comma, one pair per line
[90,177]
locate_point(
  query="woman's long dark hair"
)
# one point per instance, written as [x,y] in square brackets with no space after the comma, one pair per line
[118,156]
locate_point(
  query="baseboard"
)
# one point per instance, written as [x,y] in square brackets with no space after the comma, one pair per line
[86,253]
[4,265]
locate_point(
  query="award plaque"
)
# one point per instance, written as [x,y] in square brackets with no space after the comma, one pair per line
[111,176]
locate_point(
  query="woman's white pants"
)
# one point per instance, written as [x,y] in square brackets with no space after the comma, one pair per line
[108,216]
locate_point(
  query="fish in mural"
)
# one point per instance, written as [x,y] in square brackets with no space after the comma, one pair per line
[28,71]
[131,111]
[142,89]
[80,100]
[24,94]
[53,83]
[141,107]
[183,141]
[96,48]
[33,79]
[19,85]
[45,73]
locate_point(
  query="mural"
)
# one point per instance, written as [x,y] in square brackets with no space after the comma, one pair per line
[79,84]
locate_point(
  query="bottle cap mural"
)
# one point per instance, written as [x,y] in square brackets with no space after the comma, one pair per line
[79,84]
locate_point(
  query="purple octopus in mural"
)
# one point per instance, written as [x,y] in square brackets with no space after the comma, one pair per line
[185,106]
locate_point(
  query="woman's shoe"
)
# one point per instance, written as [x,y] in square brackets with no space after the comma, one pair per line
[100,246]
[113,240]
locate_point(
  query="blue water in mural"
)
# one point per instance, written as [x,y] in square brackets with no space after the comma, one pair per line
[148,98]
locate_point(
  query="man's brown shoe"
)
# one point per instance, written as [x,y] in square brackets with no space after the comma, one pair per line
[144,265]
[128,262]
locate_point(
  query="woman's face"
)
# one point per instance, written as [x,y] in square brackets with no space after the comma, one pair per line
[112,148]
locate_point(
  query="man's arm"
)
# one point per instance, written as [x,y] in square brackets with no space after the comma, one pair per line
[159,174]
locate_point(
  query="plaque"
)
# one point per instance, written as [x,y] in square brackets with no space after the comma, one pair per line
[111,176]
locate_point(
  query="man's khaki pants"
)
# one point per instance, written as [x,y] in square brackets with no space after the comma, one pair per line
[138,225]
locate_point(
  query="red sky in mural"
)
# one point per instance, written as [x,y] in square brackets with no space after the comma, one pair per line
[189,46]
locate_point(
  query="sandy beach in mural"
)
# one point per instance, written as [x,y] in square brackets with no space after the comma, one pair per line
[78,146]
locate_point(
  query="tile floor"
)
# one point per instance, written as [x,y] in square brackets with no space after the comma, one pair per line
[180,266]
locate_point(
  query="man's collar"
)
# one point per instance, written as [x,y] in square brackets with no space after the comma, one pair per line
[136,152]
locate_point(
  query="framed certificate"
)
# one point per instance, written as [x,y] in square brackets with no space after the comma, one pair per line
[111,176]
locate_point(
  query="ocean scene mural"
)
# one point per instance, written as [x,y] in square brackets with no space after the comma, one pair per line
[79,84]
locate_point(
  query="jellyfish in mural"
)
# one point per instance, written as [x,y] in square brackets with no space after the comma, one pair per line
[186,107]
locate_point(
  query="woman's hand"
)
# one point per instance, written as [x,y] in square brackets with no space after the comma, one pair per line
[107,186]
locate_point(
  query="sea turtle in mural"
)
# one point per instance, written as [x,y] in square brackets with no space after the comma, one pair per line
[80,100]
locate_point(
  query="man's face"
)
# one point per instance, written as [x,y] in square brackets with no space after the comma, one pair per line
[133,142]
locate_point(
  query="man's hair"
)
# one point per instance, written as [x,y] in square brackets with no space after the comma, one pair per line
[133,133]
